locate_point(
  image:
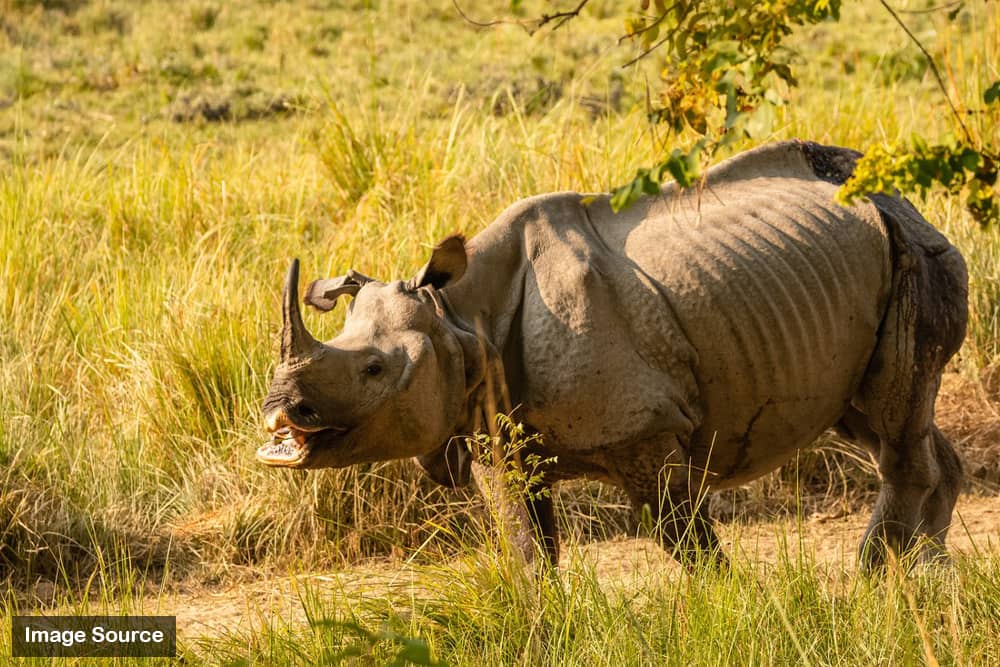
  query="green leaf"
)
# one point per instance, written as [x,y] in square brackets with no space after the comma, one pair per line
[992,93]
[650,187]
[624,196]
[724,55]
[650,35]
[680,169]
[415,651]
[970,159]
[785,73]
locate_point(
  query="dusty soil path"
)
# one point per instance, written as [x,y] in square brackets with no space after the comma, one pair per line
[621,562]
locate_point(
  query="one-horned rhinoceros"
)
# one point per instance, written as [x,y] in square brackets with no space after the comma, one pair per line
[693,341]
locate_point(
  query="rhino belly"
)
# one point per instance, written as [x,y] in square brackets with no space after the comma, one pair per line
[781,296]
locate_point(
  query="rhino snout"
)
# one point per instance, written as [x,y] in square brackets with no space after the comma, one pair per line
[293,441]
[299,414]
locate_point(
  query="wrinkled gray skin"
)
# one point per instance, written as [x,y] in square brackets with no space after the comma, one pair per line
[692,342]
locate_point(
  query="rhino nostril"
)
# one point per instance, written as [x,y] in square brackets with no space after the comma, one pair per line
[303,411]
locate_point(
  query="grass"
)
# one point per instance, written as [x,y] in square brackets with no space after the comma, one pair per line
[153,186]
[484,608]
[789,614]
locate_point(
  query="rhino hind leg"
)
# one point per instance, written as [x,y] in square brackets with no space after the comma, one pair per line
[937,509]
[911,477]
[918,495]
[921,472]
[923,326]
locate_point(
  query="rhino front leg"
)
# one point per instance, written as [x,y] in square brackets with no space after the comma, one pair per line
[676,497]
[681,524]
[525,521]
[541,512]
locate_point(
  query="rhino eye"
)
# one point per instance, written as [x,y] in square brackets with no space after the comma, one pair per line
[373,370]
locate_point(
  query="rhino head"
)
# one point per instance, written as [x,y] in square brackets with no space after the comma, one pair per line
[395,383]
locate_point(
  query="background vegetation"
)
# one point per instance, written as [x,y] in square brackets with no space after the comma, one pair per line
[161,162]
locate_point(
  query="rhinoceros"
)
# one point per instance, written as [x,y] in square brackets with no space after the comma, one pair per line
[692,342]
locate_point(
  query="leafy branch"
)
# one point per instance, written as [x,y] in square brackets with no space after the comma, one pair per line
[933,67]
[523,469]
[959,167]
[723,62]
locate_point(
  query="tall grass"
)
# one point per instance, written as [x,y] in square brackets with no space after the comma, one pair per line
[482,606]
[489,613]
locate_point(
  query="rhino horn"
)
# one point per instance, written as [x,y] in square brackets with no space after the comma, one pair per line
[296,341]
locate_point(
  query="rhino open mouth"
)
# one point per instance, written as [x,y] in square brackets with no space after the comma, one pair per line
[290,446]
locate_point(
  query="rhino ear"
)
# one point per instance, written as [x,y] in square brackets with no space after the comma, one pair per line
[449,465]
[322,294]
[447,264]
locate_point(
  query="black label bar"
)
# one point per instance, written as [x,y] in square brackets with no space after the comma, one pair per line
[93,636]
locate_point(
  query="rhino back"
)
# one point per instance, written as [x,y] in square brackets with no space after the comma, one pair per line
[780,292]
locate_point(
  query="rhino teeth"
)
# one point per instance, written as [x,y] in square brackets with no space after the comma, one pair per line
[283,447]
[288,445]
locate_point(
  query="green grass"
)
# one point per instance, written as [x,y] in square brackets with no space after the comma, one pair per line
[484,609]
[792,613]
[142,247]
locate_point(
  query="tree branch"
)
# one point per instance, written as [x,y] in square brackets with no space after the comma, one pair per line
[648,51]
[488,24]
[530,26]
[562,17]
[934,70]
[655,23]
